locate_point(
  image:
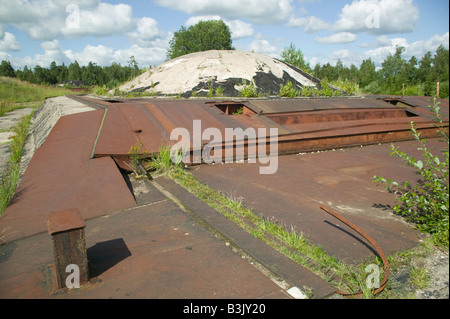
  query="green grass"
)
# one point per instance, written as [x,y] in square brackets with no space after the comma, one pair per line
[16,91]
[13,94]
[9,181]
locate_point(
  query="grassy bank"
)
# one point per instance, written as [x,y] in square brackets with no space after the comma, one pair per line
[15,91]
[16,94]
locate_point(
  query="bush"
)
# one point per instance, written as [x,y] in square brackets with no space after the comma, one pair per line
[249,90]
[288,91]
[372,88]
[427,203]
[444,90]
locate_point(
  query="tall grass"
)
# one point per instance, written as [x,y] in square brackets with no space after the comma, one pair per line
[15,91]
[9,181]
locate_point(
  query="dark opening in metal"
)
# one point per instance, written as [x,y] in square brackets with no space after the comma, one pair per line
[233,108]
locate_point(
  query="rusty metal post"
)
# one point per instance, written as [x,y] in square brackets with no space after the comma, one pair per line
[69,247]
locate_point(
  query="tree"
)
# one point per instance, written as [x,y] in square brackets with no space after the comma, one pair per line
[295,57]
[6,69]
[203,36]
[411,70]
[74,71]
[441,64]
[133,66]
[391,71]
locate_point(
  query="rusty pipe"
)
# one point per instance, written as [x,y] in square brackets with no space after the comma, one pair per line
[373,243]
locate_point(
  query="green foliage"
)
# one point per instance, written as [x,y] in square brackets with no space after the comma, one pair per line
[16,91]
[419,77]
[295,57]
[93,74]
[101,90]
[427,203]
[249,90]
[326,89]
[6,69]
[239,111]
[135,154]
[288,91]
[203,36]
[219,91]
[9,181]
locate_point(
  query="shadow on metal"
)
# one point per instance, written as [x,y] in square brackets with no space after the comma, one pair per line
[105,255]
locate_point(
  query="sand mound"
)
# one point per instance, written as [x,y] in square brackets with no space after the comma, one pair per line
[196,73]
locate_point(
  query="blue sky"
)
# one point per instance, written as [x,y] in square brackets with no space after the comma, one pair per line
[37,32]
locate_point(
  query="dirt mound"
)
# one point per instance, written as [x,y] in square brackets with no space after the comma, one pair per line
[197,73]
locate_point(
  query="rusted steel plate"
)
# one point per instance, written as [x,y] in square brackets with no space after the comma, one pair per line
[62,176]
[303,124]
[296,105]
[58,221]
[340,179]
[123,127]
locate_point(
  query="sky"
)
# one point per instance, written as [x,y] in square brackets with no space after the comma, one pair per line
[37,32]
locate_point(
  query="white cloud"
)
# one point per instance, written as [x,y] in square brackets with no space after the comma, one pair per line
[378,16]
[263,46]
[337,38]
[104,20]
[48,20]
[257,11]
[417,48]
[311,24]
[8,42]
[381,41]
[147,32]
[105,55]
[238,28]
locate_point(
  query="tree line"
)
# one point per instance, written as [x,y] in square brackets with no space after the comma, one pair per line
[395,77]
[91,74]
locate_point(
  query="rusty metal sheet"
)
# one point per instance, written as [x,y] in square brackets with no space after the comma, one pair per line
[297,105]
[340,179]
[303,124]
[61,175]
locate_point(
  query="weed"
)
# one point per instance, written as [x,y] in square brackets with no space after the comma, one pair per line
[9,181]
[239,111]
[135,154]
[427,203]
[219,91]
[288,91]
[419,277]
[249,90]
[163,163]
